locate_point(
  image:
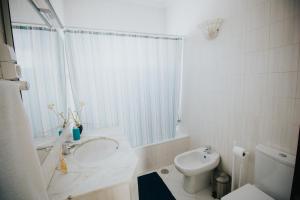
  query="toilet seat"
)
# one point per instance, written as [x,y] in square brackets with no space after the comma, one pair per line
[247,192]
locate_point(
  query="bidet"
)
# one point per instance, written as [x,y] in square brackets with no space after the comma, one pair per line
[196,166]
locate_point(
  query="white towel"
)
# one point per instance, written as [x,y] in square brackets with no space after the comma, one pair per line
[20,172]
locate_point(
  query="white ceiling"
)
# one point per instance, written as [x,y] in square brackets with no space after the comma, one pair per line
[155,3]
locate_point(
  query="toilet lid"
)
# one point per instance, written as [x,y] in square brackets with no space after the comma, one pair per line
[247,192]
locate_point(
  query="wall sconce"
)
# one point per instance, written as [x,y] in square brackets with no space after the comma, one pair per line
[211,28]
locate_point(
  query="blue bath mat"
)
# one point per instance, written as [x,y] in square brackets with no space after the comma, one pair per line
[152,187]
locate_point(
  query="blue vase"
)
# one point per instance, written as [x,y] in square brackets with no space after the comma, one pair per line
[76,134]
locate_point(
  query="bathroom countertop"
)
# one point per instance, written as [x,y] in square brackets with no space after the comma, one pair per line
[80,180]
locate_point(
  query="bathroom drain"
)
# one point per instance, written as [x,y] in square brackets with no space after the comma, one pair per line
[164,171]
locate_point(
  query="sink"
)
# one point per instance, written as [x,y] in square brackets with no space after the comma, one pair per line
[102,163]
[96,150]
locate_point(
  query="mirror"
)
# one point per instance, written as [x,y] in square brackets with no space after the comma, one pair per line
[39,50]
[43,153]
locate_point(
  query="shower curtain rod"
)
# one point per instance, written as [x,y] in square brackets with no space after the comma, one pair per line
[101,31]
[17,23]
[110,31]
[26,27]
[34,26]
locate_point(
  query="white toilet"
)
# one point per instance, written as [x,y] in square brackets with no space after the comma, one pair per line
[196,166]
[274,172]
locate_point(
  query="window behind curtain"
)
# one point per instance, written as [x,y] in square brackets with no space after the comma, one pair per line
[126,80]
[40,53]
[130,81]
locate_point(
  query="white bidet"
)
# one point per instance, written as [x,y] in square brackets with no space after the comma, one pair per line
[196,166]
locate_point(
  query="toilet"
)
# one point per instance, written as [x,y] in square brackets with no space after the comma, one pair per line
[196,166]
[273,177]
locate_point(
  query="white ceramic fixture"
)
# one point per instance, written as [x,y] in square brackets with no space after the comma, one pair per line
[196,166]
[101,165]
[93,151]
[273,177]
[247,192]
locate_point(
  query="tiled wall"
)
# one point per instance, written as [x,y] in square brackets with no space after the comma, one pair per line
[244,86]
[118,192]
[162,154]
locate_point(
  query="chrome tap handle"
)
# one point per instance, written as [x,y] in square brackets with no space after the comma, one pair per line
[65,149]
[207,148]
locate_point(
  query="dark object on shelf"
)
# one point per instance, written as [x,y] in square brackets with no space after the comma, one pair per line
[152,187]
[80,128]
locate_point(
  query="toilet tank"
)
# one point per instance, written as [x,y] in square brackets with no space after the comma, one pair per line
[274,172]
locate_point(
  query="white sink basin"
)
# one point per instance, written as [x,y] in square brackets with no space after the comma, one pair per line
[94,151]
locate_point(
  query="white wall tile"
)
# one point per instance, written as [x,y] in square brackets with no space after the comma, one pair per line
[257,62]
[249,96]
[257,40]
[297,27]
[284,59]
[282,9]
[299,59]
[283,84]
[285,32]
[258,15]
[254,91]
[161,154]
[297,8]
[298,86]
[120,192]
[250,4]
[296,115]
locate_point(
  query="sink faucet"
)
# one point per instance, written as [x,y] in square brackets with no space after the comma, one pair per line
[207,149]
[67,146]
[66,150]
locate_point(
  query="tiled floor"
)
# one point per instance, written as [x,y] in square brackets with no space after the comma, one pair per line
[174,182]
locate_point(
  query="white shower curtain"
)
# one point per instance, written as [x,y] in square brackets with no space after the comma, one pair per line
[126,80]
[40,53]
